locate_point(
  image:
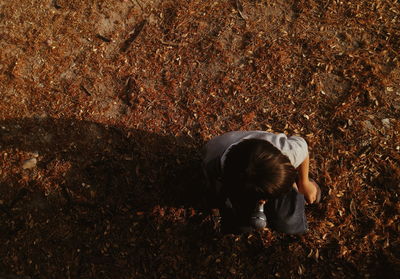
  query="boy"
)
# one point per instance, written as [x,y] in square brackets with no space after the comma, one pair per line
[245,168]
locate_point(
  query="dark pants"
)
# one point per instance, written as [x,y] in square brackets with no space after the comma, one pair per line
[284,214]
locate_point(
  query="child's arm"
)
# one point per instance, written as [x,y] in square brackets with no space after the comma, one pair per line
[305,186]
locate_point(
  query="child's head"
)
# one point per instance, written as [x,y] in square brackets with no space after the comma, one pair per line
[256,167]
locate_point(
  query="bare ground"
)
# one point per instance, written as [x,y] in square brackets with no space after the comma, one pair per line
[105,106]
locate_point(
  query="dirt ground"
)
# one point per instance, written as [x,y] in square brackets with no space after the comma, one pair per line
[105,105]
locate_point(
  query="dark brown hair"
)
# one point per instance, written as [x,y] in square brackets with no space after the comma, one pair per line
[258,169]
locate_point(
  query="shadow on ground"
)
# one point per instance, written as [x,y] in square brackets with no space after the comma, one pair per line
[99,199]
[92,164]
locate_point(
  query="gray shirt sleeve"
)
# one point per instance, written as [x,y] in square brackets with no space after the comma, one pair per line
[294,147]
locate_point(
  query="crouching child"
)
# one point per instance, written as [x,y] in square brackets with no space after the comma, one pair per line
[257,178]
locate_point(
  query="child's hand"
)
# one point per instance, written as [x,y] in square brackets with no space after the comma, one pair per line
[309,190]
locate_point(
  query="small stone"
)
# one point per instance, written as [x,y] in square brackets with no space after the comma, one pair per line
[29,164]
[386,122]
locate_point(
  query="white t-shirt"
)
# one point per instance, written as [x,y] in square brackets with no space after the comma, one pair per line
[294,147]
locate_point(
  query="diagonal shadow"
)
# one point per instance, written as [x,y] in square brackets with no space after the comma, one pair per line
[100,199]
[90,164]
